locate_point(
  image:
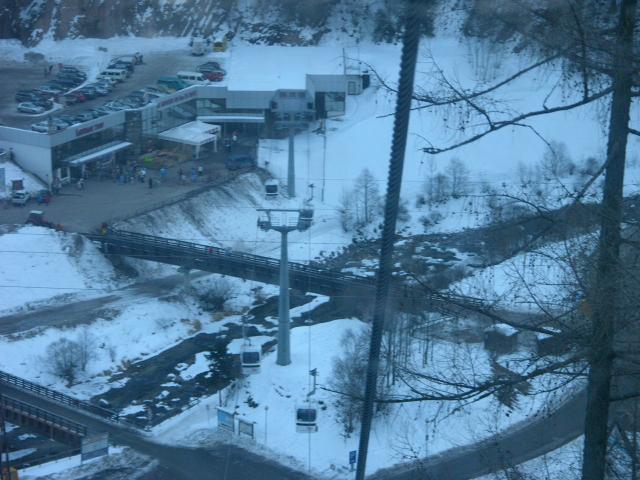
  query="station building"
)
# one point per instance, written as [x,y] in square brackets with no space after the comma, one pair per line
[264,95]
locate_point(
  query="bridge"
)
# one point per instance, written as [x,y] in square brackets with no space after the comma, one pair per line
[302,277]
[39,420]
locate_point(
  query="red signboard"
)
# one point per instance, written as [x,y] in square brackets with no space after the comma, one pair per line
[90,129]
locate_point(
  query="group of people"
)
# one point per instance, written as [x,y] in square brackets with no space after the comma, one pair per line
[195,173]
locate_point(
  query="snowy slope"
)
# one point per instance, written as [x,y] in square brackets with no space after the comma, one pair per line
[39,264]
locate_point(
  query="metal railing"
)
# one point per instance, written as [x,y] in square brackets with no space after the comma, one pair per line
[58,397]
[22,408]
[196,252]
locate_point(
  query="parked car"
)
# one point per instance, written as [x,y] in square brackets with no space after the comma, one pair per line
[19,198]
[40,127]
[28,96]
[238,161]
[84,117]
[58,86]
[88,92]
[99,89]
[122,66]
[36,217]
[66,83]
[44,103]
[59,123]
[69,99]
[50,90]
[99,112]
[216,76]
[209,67]
[29,107]
[67,119]
[79,96]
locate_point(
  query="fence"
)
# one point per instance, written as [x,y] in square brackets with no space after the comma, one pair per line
[26,409]
[58,397]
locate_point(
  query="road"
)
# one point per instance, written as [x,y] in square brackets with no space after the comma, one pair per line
[522,442]
[224,462]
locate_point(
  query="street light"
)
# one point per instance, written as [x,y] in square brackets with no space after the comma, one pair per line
[284,221]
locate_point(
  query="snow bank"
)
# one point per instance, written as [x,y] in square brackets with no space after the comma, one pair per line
[14,172]
[38,263]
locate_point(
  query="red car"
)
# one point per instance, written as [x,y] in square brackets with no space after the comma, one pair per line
[79,96]
[213,76]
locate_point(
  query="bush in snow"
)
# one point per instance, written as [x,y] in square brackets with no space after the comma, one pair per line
[218,292]
[65,359]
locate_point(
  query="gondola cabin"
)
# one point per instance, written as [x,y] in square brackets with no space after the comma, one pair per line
[306,419]
[271,188]
[250,358]
[305,219]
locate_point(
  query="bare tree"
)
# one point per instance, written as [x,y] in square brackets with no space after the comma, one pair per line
[597,50]
[86,348]
[459,176]
[64,359]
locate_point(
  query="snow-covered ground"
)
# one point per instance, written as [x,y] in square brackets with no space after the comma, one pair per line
[530,281]
[397,436]
[14,172]
[227,217]
[39,264]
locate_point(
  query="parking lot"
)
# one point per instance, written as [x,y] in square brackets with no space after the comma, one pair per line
[25,75]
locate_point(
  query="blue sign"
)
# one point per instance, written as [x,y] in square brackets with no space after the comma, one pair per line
[352,456]
[225,420]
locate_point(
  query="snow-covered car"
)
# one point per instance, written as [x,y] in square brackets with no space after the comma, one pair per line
[20,198]
[29,107]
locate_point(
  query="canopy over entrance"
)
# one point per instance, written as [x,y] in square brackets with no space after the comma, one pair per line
[233,118]
[194,133]
[96,153]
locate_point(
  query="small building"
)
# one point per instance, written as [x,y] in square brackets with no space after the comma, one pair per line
[551,344]
[501,338]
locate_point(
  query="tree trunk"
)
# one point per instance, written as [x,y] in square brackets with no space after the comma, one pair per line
[604,298]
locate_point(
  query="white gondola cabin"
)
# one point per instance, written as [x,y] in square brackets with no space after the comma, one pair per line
[250,358]
[271,188]
[306,419]
[305,219]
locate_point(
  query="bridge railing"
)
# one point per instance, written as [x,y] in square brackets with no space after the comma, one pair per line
[23,408]
[59,397]
[196,249]
[190,249]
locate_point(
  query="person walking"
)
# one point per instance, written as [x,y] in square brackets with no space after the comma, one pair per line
[200,170]
[80,184]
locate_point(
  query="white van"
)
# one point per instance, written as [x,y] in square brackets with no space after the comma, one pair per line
[192,78]
[114,74]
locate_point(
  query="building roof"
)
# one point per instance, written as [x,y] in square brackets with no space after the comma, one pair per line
[270,68]
[192,133]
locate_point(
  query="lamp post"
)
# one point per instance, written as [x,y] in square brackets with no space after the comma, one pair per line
[284,221]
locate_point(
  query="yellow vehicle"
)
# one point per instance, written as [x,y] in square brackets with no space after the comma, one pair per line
[220,45]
